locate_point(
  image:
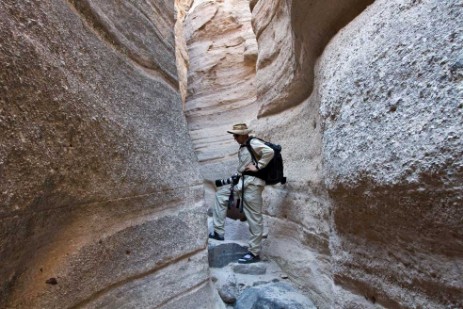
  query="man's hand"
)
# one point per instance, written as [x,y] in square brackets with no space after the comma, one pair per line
[250,168]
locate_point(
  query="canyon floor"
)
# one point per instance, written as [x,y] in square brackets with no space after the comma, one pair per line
[242,286]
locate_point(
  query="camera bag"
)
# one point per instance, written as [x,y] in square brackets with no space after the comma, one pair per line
[273,172]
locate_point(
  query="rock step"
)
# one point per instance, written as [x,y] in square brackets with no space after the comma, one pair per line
[221,254]
[279,295]
[257,285]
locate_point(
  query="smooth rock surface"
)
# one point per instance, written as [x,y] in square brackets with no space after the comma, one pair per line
[97,213]
[291,36]
[368,119]
[92,135]
[181,53]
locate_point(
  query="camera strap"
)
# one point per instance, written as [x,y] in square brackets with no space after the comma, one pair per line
[251,151]
[241,202]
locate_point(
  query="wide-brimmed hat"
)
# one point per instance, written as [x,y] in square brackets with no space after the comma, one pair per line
[240,129]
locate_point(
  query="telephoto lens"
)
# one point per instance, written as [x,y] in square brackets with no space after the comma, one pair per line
[222,182]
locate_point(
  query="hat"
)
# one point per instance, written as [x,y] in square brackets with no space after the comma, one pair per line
[240,129]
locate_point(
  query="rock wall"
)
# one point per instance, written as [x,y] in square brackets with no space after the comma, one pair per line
[221,91]
[95,211]
[368,119]
[291,36]
[372,213]
[392,108]
[181,53]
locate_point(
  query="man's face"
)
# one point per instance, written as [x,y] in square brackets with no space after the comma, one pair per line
[240,139]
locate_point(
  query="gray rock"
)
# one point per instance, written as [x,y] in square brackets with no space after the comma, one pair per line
[275,296]
[228,292]
[250,269]
[223,254]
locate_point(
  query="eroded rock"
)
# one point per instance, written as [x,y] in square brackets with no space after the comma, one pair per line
[390,103]
[273,295]
[291,36]
[250,269]
[221,88]
[221,254]
[93,134]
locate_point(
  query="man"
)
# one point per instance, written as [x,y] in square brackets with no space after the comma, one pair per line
[249,188]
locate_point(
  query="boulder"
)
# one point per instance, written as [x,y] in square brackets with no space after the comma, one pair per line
[221,254]
[228,293]
[250,269]
[273,295]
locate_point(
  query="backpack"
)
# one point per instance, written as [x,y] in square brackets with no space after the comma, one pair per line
[273,172]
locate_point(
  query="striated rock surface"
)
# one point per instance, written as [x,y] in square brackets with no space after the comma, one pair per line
[222,52]
[298,213]
[94,209]
[298,218]
[291,35]
[181,53]
[392,107]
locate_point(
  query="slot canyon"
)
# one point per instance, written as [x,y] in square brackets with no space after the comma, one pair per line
[113,127]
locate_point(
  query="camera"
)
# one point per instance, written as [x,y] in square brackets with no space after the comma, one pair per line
[232,180]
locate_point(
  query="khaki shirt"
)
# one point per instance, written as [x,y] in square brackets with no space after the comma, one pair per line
[263,154]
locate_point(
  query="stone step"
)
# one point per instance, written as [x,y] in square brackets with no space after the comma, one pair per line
[257,285]
[273,295]
[222,253]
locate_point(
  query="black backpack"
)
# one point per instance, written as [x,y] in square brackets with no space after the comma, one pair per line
[273,172]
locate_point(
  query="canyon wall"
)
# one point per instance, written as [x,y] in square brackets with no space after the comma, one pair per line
[391,104]
[102,176]
[101,198]
[220,87]
[291,36]
[372,213]
[365,99]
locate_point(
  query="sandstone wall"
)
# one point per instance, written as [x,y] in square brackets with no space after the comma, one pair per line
[371,216]
[92,138]
[291,36]
[369,119]
[181,54]
[392,108]
[221,91]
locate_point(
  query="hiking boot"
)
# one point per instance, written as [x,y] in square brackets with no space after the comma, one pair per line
[249,258]
[216,236]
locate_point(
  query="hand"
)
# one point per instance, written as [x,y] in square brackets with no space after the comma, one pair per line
[250,168]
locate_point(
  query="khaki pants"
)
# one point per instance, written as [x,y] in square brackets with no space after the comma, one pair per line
[252,208]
